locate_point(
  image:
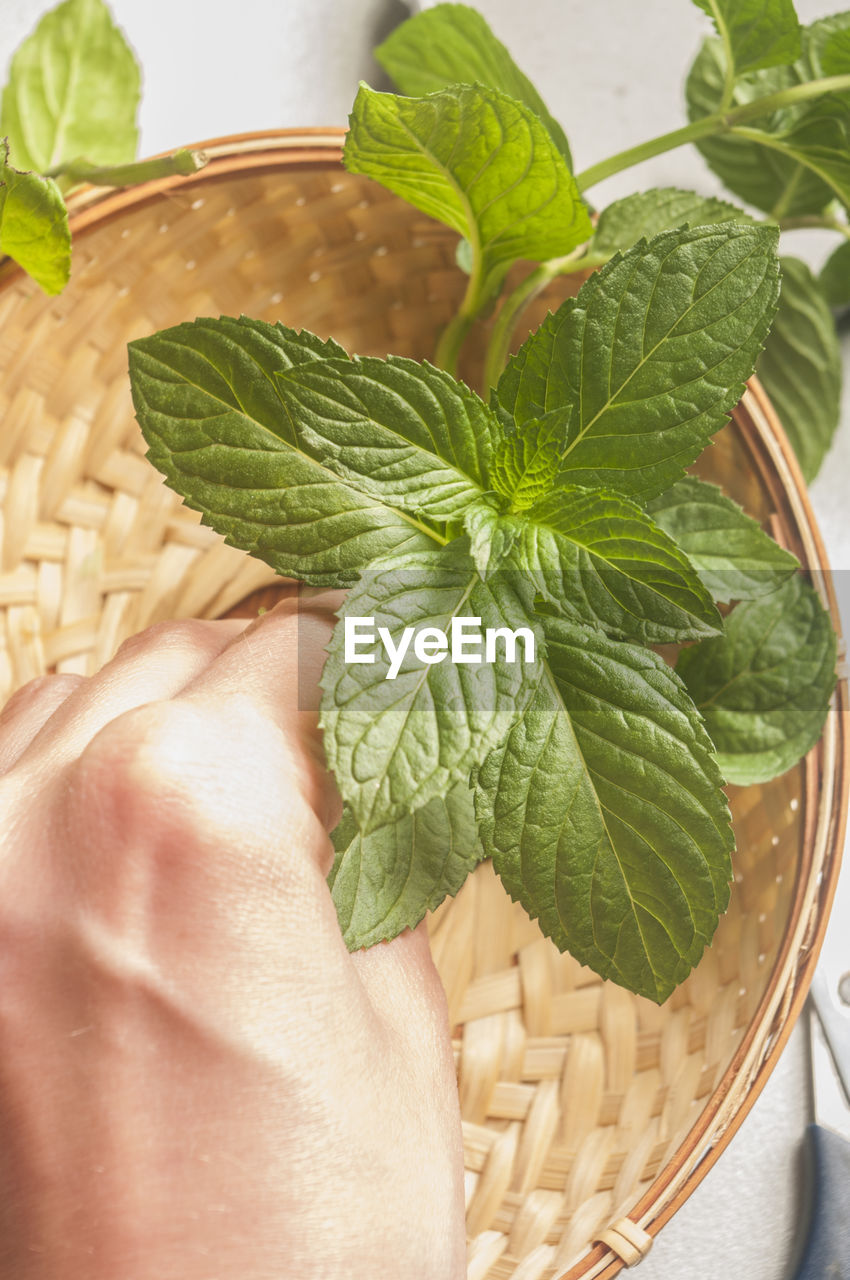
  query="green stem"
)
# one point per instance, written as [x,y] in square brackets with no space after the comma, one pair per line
[815,221]
[451,340]
[129,175]
[718,122]
[515,303]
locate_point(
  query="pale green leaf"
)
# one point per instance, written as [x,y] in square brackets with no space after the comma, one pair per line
[491,536]
[452,44]
[648,213]
[652,355]
[597,558]
[396,736]
[604,814]
[755,33]
[478,161]
[73,91]
[206,398]
[385,882]
[733,555]
[764,686]
[800,366]
[772,180]
[34,226]
[407,433]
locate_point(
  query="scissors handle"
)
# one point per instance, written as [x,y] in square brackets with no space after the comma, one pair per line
[826,1254]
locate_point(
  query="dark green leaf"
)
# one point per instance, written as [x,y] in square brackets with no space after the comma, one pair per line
[73,91]
[207,401]
[771,180]
[34,226]
[764,687]
[733,555]
[801,366]
[407,433]
[452,44]
[653,354]
[598,558]
[536,383]
[648,213]
[604,814]
[478,161]
[755,33]
[385,882]
[396,735]
[819,141]
[834,278]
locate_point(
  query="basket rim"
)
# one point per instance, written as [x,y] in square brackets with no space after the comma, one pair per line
[825,806]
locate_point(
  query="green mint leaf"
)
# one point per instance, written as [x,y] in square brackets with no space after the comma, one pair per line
[764,686]
[407,726]
[834,278]
[73,91]
[598,558]
[536,384]
[800,366]
[755,33]
[406,433]
[653,354]
[604,814]
[385,882]
[820,142]
[648,213]
[34,225]
[730,551]
[452,44]
[206,398]
[785,173]
[526,464]
[826,49]
[491,537]
[478,161]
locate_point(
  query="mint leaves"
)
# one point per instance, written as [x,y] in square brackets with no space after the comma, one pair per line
[34,225]
[452,44]
[801,366]
[68,114]
[490,687]
[653,355]
[73,91]
[764,687]
[755,33]
[456,155]
[604,816]
[492,642]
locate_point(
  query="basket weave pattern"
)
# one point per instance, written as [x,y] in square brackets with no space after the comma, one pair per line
[581,1103]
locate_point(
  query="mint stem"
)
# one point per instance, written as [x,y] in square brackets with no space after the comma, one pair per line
[719,122]
[128,175]
[498,348]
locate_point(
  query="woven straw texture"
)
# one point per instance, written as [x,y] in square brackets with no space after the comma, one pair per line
[589,1114]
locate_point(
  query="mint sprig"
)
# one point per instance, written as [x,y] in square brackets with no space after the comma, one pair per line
[588,758]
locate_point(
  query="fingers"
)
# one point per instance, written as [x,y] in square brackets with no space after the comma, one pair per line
[28,710]
[154,665]
[276,665]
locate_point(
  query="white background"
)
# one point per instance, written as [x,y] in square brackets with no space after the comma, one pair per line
[612,72]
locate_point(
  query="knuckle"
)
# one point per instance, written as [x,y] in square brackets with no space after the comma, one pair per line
[182,635]
[136,765]
[43,688]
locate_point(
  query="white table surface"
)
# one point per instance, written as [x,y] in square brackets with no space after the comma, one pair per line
[612,73]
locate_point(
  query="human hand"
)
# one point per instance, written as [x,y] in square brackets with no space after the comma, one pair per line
[197,1081]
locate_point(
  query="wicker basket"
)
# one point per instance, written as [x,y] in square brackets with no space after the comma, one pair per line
[589,1114]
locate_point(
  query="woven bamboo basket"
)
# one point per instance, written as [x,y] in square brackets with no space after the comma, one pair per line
[589,1114]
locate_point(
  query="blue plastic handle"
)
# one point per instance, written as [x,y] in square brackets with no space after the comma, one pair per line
[826,1255]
